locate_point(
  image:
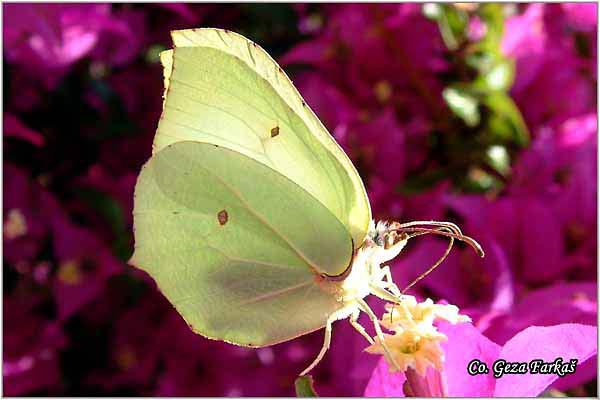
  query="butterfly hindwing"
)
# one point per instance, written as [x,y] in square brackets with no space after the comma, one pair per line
[234,245]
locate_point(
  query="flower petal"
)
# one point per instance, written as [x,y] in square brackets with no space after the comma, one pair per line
[547,343]
[383,383]
[586,372]
[466,343]
[560,303]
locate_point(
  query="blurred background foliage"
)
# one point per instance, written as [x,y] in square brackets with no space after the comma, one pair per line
[484,114]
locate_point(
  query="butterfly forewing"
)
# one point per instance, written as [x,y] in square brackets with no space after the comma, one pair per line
[221,88]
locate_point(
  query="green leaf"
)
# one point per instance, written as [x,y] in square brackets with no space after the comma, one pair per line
[452,23]
[497,78]
[112,213]
[106,206]
[153,53]
[457,21]
[492,15]
[480,181]
[480,60]
[305,386]
[416,184]
[120,123]
[463,104]
[499,159]
[506,121]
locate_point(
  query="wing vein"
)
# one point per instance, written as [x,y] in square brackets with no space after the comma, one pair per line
[256,214]
[261,218]
[216,108]
[208,244]
[250,53]
[275,293]
[171,120]
[285,118]
[239,82]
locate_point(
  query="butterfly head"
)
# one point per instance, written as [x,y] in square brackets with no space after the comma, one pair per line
[386,240]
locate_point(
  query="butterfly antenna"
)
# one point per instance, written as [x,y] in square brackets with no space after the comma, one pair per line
[418,231]
[444,224]
[448,229]
[430,269]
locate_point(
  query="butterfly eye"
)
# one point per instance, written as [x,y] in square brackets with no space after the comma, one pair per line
[391,239]
[394,237]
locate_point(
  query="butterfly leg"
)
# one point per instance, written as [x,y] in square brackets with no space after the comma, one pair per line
[383,294]
[365,307]
[383,286]
[326,343]
[359,327]
[389,283]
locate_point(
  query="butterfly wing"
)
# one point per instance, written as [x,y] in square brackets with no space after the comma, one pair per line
[222,88]
[236,246]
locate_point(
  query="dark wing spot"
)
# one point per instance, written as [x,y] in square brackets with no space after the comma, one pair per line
[275,131]
[303,104]
[222,216]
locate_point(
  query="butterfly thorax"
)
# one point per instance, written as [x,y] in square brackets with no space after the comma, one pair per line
[380,245]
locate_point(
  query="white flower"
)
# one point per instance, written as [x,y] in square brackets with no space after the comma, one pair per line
[411,314]
[416,341]
[411,349]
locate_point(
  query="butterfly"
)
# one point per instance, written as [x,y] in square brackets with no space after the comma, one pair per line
[249,216]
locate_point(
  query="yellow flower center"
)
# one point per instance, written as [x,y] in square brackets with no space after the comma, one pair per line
[410,348]
[416,341]
[69,273]
[126,358]
[383,91]
[15,225]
